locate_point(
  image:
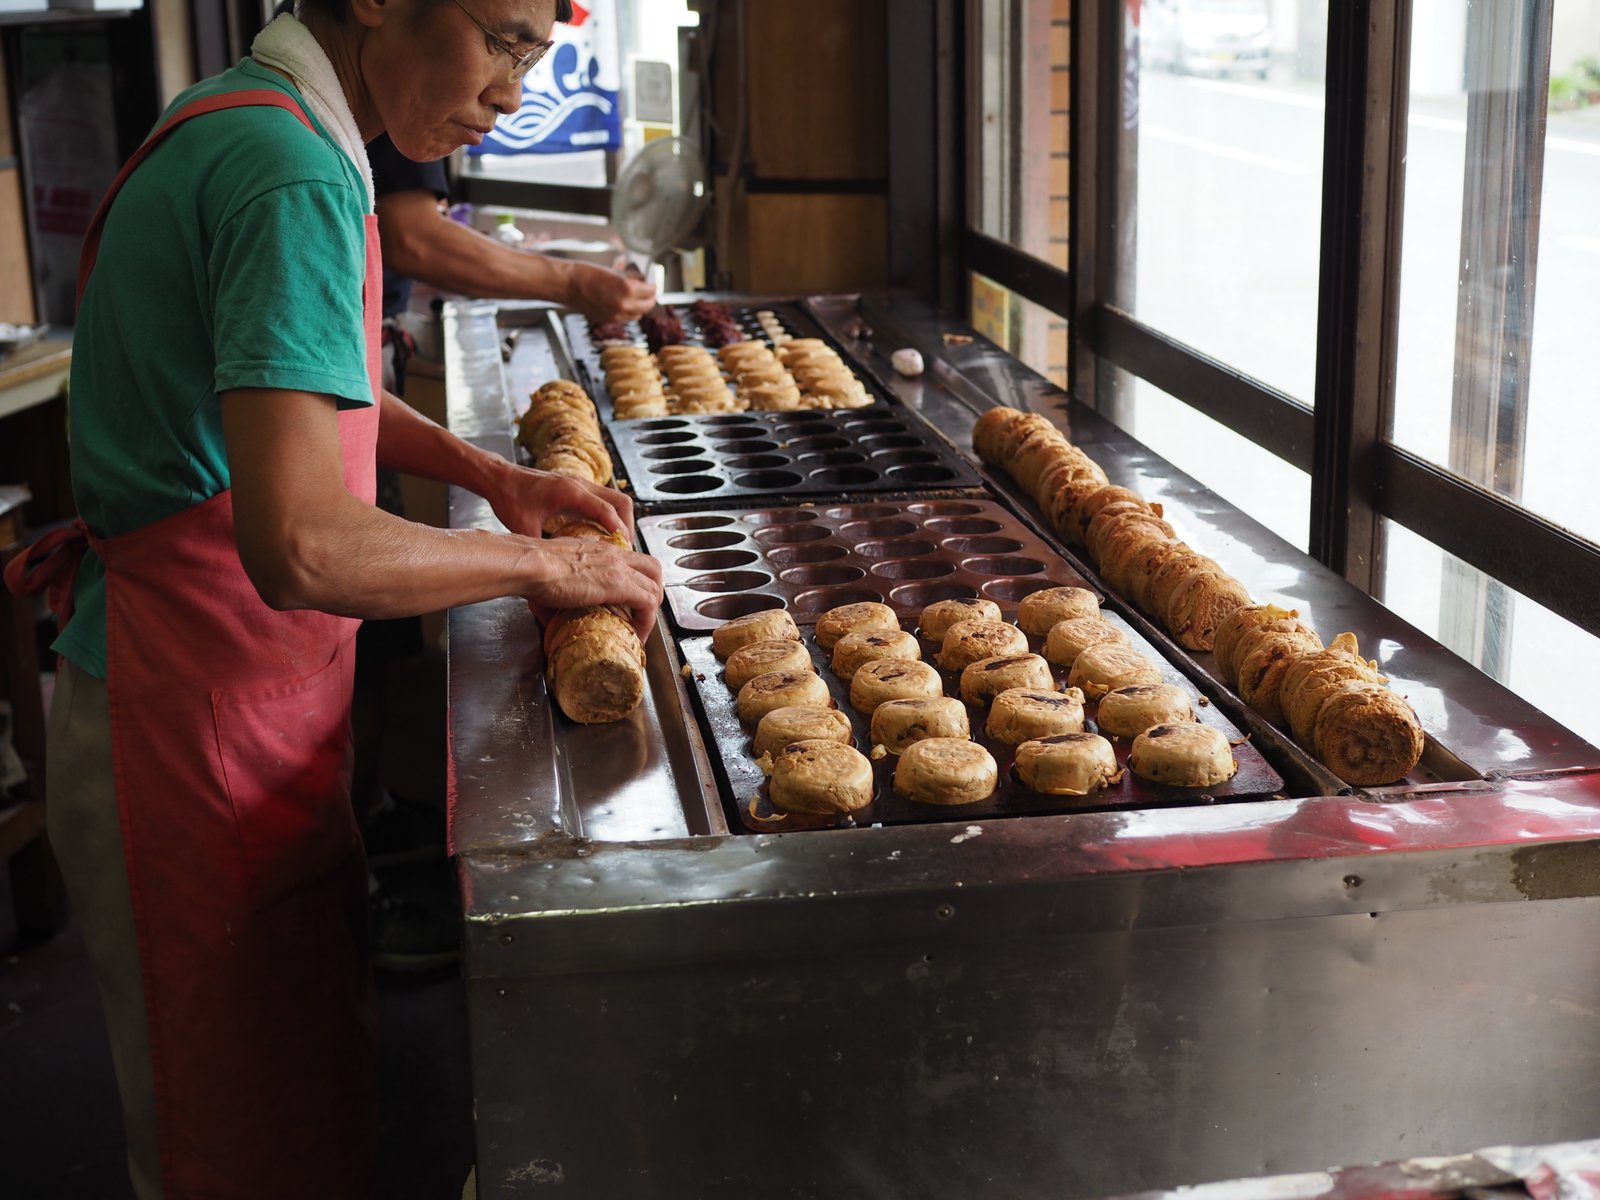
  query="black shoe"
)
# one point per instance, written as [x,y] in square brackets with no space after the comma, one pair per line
[416,922]
[401,831]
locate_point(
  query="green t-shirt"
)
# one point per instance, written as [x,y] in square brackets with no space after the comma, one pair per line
[233,257]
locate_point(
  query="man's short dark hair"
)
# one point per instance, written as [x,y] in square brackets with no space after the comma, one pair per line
[336,8]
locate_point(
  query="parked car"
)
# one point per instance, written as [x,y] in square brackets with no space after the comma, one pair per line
[1211,37]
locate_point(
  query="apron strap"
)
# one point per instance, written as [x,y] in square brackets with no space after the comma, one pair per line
[252,98]
[51,565]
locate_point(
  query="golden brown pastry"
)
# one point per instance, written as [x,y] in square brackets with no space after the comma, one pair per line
[1174,571]
[1138,567]
[1040,610]
[1061,507]
[1107,666]
[1118,524]
[780,689]
[855,650]
[988,677]
[1068,764]
[865,617]
[1312,678]
[595,666]
[1367,735]
[771,624]
[1232,628]
[1183,755]
[1070,638]
[1129,711]
[966,642]
[946,771]
[799,723]
[757,658]
[898,723]
[937,617]
[820,776]
[1199,603]
[1023,714]
[1266,656]
[885,679]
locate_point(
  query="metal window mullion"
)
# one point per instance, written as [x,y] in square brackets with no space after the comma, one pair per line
[1362,191]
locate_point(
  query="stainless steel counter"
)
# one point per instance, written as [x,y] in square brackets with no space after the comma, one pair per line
[1052,1006]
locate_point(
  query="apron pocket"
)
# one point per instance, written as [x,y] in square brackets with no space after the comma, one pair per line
[286,758]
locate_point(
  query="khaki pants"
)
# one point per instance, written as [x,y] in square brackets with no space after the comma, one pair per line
[86,835]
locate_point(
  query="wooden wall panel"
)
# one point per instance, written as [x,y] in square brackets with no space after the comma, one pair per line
[816,89]
[16,278]
[830,243]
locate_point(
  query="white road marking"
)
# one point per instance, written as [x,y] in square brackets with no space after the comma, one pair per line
[1236,153]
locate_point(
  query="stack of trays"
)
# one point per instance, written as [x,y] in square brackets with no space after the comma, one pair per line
[905,553]
[738,456]
[744,785]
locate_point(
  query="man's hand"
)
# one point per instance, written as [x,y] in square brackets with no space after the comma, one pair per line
[603,295]
[579,572]
[525,499]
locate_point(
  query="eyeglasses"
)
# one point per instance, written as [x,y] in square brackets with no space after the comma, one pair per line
[521,64]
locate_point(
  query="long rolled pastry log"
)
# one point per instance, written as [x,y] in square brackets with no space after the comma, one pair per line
[1367,735]
[594,664]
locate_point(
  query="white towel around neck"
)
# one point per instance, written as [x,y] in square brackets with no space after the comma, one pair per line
[288,45]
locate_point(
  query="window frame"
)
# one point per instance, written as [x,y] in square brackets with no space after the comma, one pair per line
[1357,474]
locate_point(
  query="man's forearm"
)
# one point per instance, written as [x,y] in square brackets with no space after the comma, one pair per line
[448,255]
[410,443]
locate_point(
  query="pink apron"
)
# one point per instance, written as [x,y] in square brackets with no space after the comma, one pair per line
[231,745]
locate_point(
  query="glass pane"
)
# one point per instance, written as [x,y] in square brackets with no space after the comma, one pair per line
[1527,647]
[1222,180]
[1019,192]
[1500,265]
[1033,333]
[1253,480]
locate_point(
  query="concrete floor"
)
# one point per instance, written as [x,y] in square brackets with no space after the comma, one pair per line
[60,1123]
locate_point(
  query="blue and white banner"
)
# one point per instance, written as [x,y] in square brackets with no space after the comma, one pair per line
[570,101]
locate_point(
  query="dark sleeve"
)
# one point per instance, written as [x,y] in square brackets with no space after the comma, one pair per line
[394,172]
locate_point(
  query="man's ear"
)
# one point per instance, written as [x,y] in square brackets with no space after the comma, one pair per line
[372,13]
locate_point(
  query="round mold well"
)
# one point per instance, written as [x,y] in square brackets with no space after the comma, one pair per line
[904,458]
[1009,591]
[895,548]
[949,526]
[821,599]
[666,439]
[1009,565]
[670,452]
[706,541]
[683,466]
[728,420]
[661,423]
[820,574]
[689,485]
[726,608]
[877,528]
[913,568]
[892,441]
[925,592]
[801,417]
[862,512]
[755,462]
[845,476]
[944,508]
[993,544]
[709,521]
[738,434]
[918,474]
[780,516]
[768,480]
[865,420]
[806,552]
[728,581]
[787,535]
[717,560]
[832,458]
[761,446]
[807,445]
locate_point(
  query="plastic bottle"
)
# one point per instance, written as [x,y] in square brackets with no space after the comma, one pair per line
[506,230]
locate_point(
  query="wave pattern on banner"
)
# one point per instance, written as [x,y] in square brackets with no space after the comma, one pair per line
[569,110]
